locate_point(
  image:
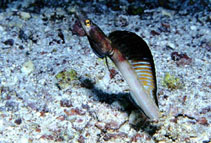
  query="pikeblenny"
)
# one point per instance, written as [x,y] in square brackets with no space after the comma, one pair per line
[132,57]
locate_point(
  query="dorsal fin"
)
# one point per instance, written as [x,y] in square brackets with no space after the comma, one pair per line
[136,51]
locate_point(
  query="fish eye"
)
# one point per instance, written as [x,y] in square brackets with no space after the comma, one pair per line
[87,22]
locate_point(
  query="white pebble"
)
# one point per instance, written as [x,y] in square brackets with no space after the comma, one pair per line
[166,13]
[25,15]
[193,27]
[171,45]
[27,67]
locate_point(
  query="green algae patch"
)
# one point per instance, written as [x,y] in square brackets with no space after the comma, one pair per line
[171,82]
[64,78]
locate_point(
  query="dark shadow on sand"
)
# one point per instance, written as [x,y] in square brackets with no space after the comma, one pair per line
[125,102]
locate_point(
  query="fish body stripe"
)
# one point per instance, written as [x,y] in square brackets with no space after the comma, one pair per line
[140,61]
[146,79]
[144,72]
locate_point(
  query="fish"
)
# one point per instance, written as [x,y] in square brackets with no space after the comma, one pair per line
[132,57]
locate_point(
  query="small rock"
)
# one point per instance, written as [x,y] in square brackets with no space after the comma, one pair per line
[170,45]
[166,13]
[66,103]
[100,125]
[203,121]
[193,27]
[162,142]
[74,111]
[71,9]
[18,121]
[25,15]
[9,42]
[21,47]
[121,21]
[154,33]
[175,56]
[61,118]
[184,61]
[22,35]
[181,59]
[65,77]
[166,25]
[172,82]
[113,125]
[27,67]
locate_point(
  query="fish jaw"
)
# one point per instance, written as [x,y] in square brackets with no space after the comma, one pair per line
[138,93]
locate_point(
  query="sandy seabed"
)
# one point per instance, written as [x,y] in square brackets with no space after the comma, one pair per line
[92,106]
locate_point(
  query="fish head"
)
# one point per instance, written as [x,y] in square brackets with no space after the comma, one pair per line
[99,42]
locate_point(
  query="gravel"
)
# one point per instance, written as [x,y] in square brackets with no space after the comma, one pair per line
[35,46]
